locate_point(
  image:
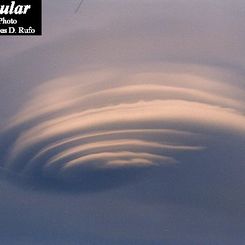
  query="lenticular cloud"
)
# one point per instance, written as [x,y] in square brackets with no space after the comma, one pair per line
[97,130]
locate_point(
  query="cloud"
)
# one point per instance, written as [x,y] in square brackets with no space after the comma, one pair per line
[79,133]
[143,95]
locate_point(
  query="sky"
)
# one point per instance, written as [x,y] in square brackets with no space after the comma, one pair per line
[124,123]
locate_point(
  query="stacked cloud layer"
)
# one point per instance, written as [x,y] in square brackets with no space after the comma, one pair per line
[100,129]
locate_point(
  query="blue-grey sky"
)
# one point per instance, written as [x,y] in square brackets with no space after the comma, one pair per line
[124,124]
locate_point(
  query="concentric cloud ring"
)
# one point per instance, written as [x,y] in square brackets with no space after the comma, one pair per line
[97,131]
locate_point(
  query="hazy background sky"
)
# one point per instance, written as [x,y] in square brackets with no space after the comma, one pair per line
[141,54]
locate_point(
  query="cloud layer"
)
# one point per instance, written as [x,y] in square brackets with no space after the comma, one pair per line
[95,132]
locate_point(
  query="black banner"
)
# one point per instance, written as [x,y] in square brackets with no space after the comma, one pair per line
[20,17]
